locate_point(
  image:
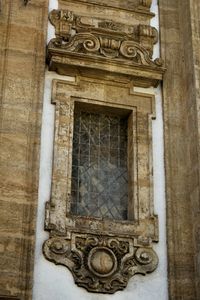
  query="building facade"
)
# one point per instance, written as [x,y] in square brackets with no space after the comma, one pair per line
[99,149]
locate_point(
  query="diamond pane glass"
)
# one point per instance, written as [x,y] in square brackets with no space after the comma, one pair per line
[99,166]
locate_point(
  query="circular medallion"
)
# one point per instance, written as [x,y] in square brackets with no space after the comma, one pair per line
[102,261]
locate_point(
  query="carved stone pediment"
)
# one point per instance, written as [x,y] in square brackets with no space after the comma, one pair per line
[105,45]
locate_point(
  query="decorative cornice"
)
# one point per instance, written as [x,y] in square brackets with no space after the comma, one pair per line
[100,40]
[106,46]
[141,7]
[67,25]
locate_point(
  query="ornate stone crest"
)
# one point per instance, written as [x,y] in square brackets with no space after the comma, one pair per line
[100,263]
[103,45]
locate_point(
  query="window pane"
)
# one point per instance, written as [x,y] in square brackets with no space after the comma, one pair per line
[99,171]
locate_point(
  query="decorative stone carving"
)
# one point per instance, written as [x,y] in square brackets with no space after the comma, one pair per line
[146,3]
[102,253]
[100,263]
[110,25]
[62,20]
[93,41]
[148,36]
[107,47]
[102,250]
[68,26]
[136,6]
[26,2]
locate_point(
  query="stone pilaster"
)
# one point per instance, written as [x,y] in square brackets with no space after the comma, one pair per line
[22,65]
[180,50]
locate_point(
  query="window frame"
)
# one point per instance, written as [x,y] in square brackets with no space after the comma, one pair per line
[67,231]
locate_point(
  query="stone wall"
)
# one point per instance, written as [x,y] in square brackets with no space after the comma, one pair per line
[194,113]
[180,50]
[22,64]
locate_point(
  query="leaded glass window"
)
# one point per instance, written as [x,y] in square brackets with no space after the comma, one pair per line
[99,165]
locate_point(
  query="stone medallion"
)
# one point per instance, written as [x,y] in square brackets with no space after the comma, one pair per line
[102,261]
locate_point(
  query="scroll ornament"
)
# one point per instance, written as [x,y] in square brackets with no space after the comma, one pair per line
[100,263]
[106,40]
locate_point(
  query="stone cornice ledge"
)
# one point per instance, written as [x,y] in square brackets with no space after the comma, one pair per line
[74,63]
[141,7]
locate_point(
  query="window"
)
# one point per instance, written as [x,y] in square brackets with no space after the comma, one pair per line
[99,165]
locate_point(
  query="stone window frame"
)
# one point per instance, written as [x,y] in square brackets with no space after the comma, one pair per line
[68,232]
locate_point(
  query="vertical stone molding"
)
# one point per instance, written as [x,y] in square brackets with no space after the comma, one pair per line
[194,112]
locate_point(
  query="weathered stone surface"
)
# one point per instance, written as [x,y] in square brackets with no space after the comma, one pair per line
[99,262]
[22,47]
[180,50]
[138,6]
[127,238]
[22,63]
[194,121]
[131,11]
[92,43]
